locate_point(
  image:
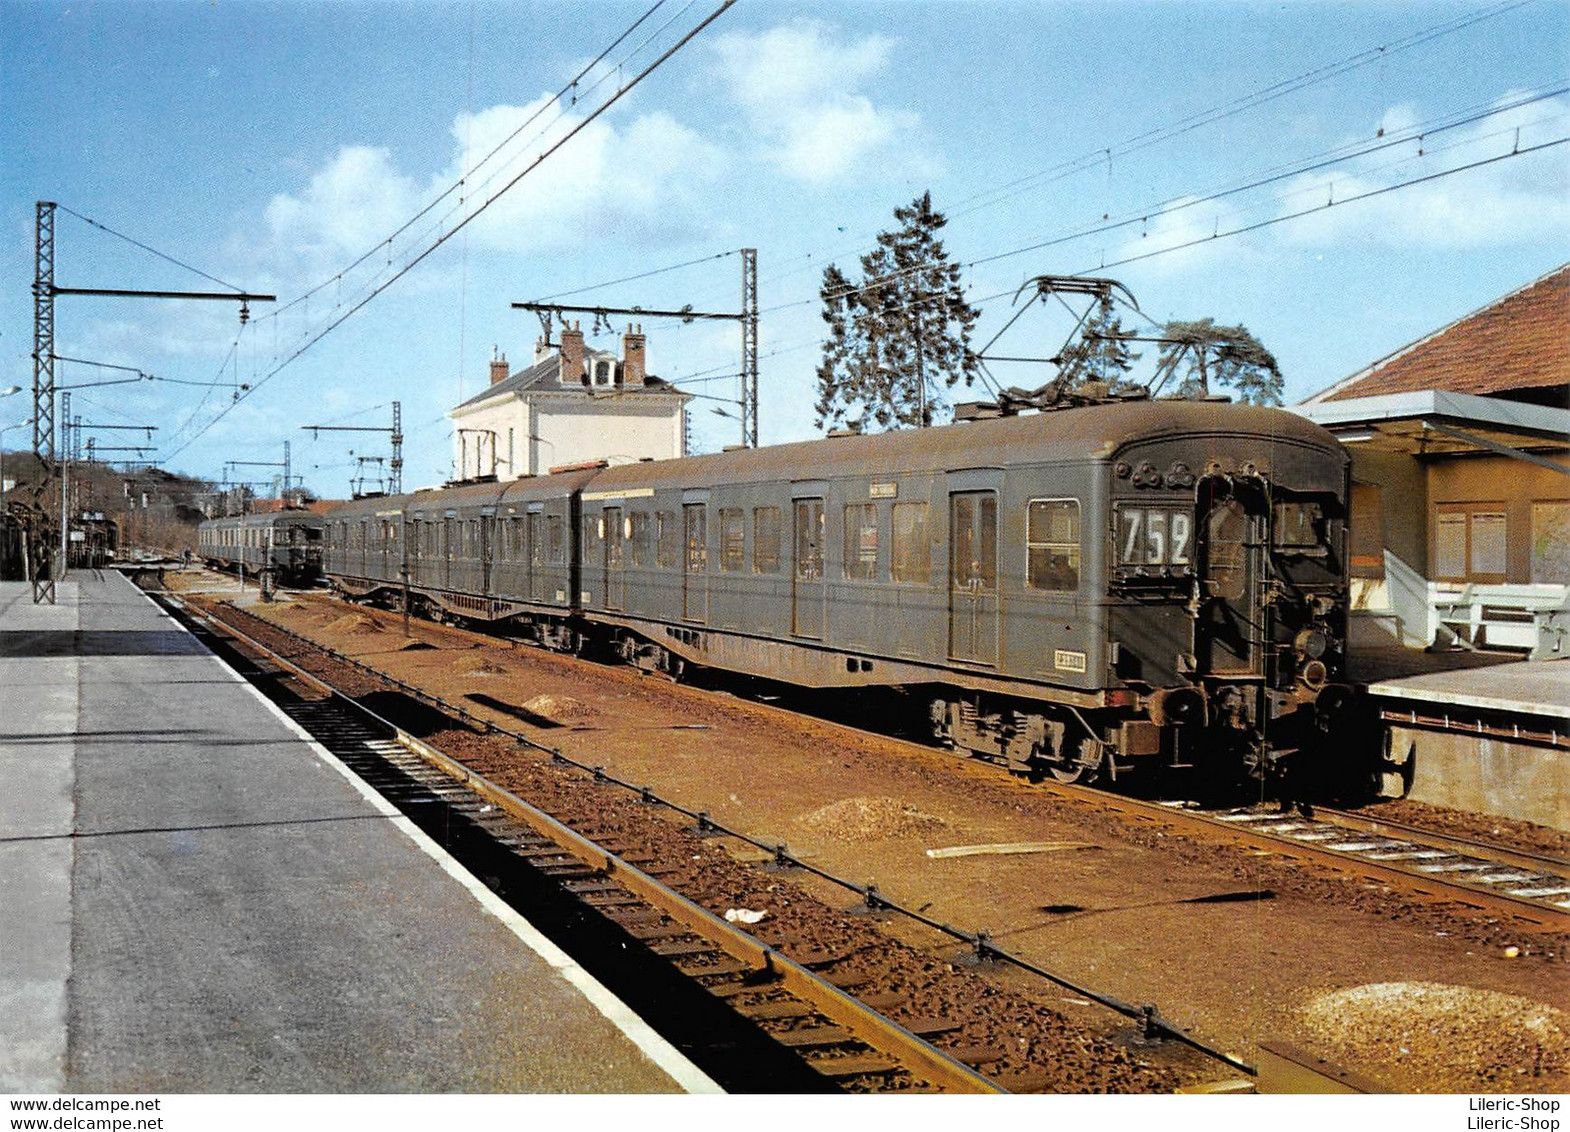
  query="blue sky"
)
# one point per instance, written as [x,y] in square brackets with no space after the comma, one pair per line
[272,145]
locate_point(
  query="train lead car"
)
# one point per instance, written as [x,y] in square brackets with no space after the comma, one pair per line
[1077,592]
[288,544]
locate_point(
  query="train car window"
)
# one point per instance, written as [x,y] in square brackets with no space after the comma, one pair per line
[1228,550]
[861,541]
[765,540]
[809,539]
[1299,528]
[556,539]
[668,540]
[973,550]
[695,519]
[1052,544]
[638,536]
[535,533]
[910,554]
[733,538]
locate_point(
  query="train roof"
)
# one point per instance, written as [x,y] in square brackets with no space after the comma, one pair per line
[1092,433]
[489,494]
[1087,434]
[267,519]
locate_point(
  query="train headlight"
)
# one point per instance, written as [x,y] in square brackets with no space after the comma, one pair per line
[1311,644]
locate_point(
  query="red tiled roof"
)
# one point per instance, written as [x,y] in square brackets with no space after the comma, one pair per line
[1520,342]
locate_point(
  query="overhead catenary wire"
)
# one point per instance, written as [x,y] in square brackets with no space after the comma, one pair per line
[615,97]
[310,337]
[1093,158]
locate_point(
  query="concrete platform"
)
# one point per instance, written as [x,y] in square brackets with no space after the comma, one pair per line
[199,899]
[1538,688]
[1460,738]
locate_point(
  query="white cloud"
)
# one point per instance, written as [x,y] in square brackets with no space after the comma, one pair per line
[355,200]
[634,182]
[797,87]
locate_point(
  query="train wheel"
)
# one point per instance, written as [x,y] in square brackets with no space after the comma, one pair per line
[1082,765]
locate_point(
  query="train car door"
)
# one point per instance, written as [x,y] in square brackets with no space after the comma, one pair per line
[451,532]
[695,572]
[611,540]
[1233,528]
[487,544]
[808,591]
[535,553]
[973,576]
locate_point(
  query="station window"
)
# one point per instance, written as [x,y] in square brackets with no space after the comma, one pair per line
[1052,544]
[1469,542]
[765,540]
[733,538]
[910,554]
[861,541]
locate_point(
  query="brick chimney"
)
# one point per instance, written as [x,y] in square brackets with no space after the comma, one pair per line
[571,354]
[634,369]
[498,369]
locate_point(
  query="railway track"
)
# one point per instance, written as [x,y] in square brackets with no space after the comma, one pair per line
[799,1016]
[1526,889]
[1260,829]
[1530,890]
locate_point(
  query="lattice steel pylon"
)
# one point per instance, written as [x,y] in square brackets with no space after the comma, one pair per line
[47,569]
[749,347]
[40,554]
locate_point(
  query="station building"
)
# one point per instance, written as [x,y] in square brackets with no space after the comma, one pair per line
[1460,447]
[572,406]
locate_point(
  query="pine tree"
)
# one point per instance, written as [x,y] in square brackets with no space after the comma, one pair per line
[899,336]
[1209,357]
[1100,356]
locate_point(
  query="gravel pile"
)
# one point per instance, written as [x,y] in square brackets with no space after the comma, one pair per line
[1433,1038]
[355,623]
[870,819]
[558,709]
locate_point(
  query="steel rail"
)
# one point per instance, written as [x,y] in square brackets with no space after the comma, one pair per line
[1518,858]
[765,963]
[1428,888]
